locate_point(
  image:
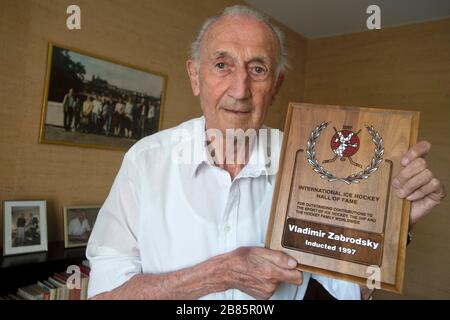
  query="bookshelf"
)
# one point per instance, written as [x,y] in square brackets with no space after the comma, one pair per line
[21,270]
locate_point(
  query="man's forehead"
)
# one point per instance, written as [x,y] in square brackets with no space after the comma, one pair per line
[246,32]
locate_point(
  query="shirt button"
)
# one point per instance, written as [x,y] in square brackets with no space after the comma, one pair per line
[227,229]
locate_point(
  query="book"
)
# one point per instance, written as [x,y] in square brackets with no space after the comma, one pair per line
[49,293]
[73,293]
[31,292]
[62,292]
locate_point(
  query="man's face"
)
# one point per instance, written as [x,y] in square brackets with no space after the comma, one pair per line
[237,77]
[81,215]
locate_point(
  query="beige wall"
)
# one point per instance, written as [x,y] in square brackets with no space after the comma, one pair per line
[407,68]
[154,35]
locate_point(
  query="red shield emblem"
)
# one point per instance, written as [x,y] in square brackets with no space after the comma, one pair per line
[345,143]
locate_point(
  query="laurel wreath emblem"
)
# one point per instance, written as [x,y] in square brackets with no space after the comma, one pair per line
[353,178]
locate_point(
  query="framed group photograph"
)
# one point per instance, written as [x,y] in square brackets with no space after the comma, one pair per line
[78,224]
[25,227]
[92,101]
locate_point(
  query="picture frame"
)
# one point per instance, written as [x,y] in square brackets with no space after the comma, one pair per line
[78,224]
[25,227]
[98,102]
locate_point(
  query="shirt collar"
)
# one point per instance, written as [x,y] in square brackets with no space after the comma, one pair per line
[263,158]
[200,155]
[264,155]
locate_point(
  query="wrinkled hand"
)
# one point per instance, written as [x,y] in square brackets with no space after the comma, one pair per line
[258,271]
[416,182]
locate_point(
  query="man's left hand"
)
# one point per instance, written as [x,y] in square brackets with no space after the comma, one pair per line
[416,182]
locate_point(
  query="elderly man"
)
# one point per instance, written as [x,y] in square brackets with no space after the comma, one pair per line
[79,227]
[173,229]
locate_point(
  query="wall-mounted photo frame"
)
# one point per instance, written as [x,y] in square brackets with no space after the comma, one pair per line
[92,101]
[25,227]
[78,224]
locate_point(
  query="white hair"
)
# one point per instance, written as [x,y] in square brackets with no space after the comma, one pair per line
[244,11]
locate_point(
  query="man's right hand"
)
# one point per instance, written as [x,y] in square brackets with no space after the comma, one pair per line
[258,271]
[255,271]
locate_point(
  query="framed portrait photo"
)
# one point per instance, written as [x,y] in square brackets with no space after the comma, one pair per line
[92,101]
[25,227]
[78,224]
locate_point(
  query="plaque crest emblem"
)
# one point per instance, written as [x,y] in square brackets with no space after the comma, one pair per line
[344,144]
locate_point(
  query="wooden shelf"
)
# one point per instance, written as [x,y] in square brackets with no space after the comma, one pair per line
[21,270]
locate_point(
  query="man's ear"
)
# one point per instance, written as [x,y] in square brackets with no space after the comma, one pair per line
[191,67]
[277,86]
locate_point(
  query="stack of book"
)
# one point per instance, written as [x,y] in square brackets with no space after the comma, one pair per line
[60,286]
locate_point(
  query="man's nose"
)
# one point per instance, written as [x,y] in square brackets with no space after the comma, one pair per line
[240,85]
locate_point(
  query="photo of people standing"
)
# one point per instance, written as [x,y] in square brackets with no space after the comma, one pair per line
[95,102]
[25,227]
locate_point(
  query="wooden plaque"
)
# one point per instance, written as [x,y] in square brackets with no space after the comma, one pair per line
[333,207]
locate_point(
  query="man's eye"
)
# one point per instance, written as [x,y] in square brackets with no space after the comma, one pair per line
[258,70]
[220,65]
